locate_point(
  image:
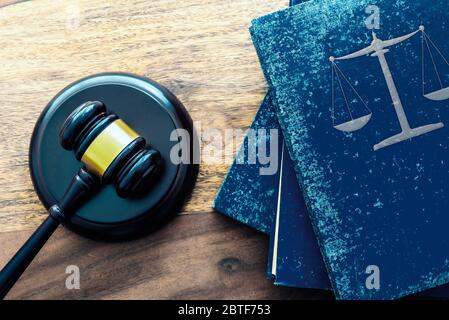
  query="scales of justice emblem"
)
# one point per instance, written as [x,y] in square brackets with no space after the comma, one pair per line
[379,48]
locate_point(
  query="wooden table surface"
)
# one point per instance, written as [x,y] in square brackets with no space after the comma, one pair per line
[201,50]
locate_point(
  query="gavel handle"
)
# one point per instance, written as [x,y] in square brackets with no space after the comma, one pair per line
[17,265]
[82,187]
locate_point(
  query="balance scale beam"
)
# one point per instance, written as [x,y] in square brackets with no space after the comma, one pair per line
[407,135]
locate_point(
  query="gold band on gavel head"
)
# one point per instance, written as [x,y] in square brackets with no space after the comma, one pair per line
[107,146]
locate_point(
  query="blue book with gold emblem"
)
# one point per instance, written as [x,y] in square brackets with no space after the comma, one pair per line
[361,93]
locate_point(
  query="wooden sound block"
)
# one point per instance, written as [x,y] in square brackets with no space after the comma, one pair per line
[155,114]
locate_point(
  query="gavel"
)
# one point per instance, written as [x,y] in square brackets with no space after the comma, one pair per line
[111,153]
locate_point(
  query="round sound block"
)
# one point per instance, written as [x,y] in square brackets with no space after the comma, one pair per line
[153,112]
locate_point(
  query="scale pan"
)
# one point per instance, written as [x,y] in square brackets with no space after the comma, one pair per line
[439,95]
[354,125]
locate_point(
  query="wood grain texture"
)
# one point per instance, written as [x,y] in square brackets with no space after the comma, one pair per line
[4,3]
[201,50]
[197,256]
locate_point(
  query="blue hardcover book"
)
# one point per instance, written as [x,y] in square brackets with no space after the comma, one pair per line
[377,196]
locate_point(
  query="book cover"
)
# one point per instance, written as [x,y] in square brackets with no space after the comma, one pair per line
[376,196]
[294,258]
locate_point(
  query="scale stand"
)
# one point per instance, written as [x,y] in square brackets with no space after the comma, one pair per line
[378,49]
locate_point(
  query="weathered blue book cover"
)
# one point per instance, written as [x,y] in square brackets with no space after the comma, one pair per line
[294,258]
[377,196]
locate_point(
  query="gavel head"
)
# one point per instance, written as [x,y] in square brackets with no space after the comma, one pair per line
[110,149]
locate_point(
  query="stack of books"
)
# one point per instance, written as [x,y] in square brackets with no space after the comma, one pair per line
[359,203]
